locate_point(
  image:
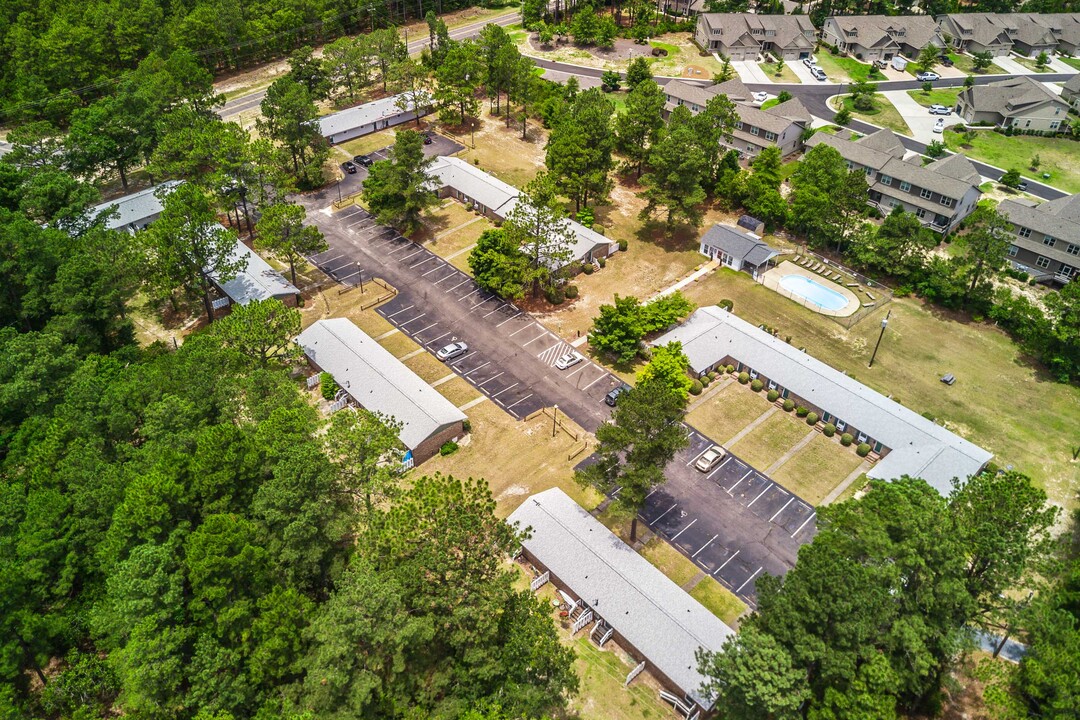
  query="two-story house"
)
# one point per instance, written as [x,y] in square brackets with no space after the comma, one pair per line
[880,37]
[1046,241]
[979,32]
[755,129]
[1020,102]
[940,194]
[745,36]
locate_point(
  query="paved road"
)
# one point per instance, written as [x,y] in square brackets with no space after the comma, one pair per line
[252,100]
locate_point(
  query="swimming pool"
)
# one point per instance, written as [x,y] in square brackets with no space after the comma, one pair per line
[813,291]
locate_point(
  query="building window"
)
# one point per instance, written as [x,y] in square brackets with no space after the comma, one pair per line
[770,136]
[1024,232]
[886,180]
[1067,270]
[850,165]
[947,202]
[738,124]
[925,194]
[1054,124]
[1043,262]
[869,171]
[1049,241]
[1073,249]
[920,213]
[893,203]
[1013,250]
[905,186]
[754,130]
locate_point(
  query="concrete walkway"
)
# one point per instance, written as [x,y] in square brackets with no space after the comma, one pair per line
[837,491]
[472,403]
[467,223]
[692,582]
[463,250]
[791,453]
[704,270]
[1009,65]
[750,428]
[712,391]
[917,117]
[750,72]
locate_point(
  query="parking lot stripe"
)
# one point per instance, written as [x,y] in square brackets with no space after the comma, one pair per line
[732,490]
[458,285]
[437,339]
[726,562]
[747,581]
[509,319]
[651,493]
[434,269]
[543,334]
[520,401]
[406,257]
[406,246]
[478,367]
[709,476]
[466,297]
[812,516]
[327,261]
[412,320]
[426,329]
[489,379]
[666,512]
[341,280]
[683,530]
[594,382]
[497,309]
[694,459]
[418,263]
[509,387]
[400,311]
[759,496]
[790,499]
[443,279]
[705,545]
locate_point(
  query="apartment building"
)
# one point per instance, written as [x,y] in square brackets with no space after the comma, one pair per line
[1046,240]
[745,36]
[1020,102]
[880,37]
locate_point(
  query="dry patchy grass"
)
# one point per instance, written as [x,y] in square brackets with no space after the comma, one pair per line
[458,391]
[719,600]
[728,412]
[819,467]
[428,367]
[501,151]
[767,443]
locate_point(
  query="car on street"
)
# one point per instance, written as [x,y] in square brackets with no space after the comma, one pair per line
[569,360]
[760,97]
[810,62]
[362,160]
[451,351]
[939,126]
[613,397]
[427,139]
[710,458]
[927,77]
[1022,186]
[348,167]
[940,110]
[818,74]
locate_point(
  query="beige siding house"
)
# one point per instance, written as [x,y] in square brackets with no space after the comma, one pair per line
[880,37]
[1020,102]
[1046,241]
[745,36]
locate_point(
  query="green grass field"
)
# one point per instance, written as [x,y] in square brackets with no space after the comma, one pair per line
[884,114]
[786,75]
[840,68]
[719,600]
[966,63]
[943,96]
[724,415]
[1001,400]
[1058,155]
[1030,64]
[766,443]
[816,469]
[1071,61]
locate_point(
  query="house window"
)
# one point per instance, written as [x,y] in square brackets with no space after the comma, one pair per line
[905,185]
[862,437]
[841,425]
[1013,250]
[738,124]
[753,374]
[1049,241]
[893,203]
[920,213]
[1067,271]
[925,194]
[772,385]
[1054,124]
[1043,262]
[770,136]
[1073,249]
[1024,232]
[886,180]
[850,165]
[947,202]
[870,171]
[754,130]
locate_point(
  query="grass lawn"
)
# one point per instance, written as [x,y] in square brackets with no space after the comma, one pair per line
[816,469]
[602,694]
[786,74]
[943,96]
[1058,155]
[771,439]
[845,68]
[1030,64]
[501,151]
[884,114]
[719,600]
[923,343]
[770,103]
[428,367]
[966,63]
[670,561]
[364,145]
[458,391]
[1071,61]
[452,229]
[724,415]
[399,344]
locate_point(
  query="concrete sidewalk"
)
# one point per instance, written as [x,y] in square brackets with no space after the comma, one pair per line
[750,72]
[918,117]
[704,270]
[1012,67]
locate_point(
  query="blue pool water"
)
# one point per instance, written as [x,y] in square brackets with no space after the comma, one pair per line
[815,292]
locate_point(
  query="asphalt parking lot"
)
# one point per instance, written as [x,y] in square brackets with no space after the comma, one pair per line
[511,356]
[349,184]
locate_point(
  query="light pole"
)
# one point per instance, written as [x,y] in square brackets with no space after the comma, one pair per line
[555,415]
[360,271]
[884,324]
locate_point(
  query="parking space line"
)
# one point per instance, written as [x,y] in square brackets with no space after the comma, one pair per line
[747,581]
[435,340]
[497,309]
[412,320]
[767,487]
[520,401]
[812,516]
[443,279]
[726,562]
[478,367]
[427,328]
[330,260]
[509,319]
[543,334]
[705,545]
[651,493]
[417,264]
[406,257]
[406,246]
[466,297]
[694,459]
[683,530]
[666,511]
[594,382]
[490,379]
[790,500]
[709,476]
[509,387]
[400,311]
[732,490]
[583,366]
[458,285]
[434,269]
[341,280]
[485,300]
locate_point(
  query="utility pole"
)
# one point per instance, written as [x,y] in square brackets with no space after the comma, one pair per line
[553,417]
[884,324]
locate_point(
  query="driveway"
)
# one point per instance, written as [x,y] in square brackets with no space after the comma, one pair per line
[1009,65]
[750,72]
[918,117]
[1058,66]
[803,73]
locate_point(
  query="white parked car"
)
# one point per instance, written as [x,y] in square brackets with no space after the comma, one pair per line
[710,457]
[810,62]
[818,73]
[927,77]
[569,360]
[760,97]
[940,110]
[451,351]
[939,126]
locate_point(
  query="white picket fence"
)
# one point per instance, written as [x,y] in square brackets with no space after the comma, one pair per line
[540,581]
[677,702]
[581,622]
[634,673]
[339,405]
[312,381]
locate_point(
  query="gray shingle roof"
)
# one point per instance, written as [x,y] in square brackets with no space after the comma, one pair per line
[653,614]
[1009,97]
[258,281]
[739,244]
[1058,218]
[919,448]
[361,115]
[790,31]
[377,380]
[132,211]
[926,177]
[851,150]
[764,119]
[884,140]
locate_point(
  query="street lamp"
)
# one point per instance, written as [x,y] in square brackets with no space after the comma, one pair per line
[884,324]
[553,417]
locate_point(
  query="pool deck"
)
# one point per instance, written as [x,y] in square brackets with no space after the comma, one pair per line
[771,280]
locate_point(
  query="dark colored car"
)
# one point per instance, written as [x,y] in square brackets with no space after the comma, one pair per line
[613,397]
[362,160]
[427,139]
[348,167]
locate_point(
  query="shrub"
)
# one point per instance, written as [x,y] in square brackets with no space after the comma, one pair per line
[468,207]
[623,245]
[829,430]
[602,261]
[713,375]
[863,450]
[556,296]
[789,405]
[571,291]
[449,448]
[327,385]
[846,439]
[598,229]
[773,394]
[705,380]
[726,304]
[744,377]
[757,385]
[802,412]
[588,268]
[695,387]
[466,425]
[731,368]
[811,418]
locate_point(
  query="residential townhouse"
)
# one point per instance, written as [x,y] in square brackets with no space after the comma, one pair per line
[1023,33]
[940,194]
[745,36]
[1019,102]
[781,126]
[1046,241]
[1071,91]
[979,32]
[880,37]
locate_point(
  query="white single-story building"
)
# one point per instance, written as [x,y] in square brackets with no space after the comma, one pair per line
[370,117]
[257,281]
[908,443]
[135,211]
[654,620]
[381,383]
[737,249]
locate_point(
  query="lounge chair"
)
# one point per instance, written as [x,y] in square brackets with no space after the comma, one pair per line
[866,305]
[805,262]
[819,268]
[837,276]
[855,285]
[870,296]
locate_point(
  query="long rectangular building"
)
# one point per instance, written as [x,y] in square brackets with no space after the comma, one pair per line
[370,117]
[908,443]
[653,619]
